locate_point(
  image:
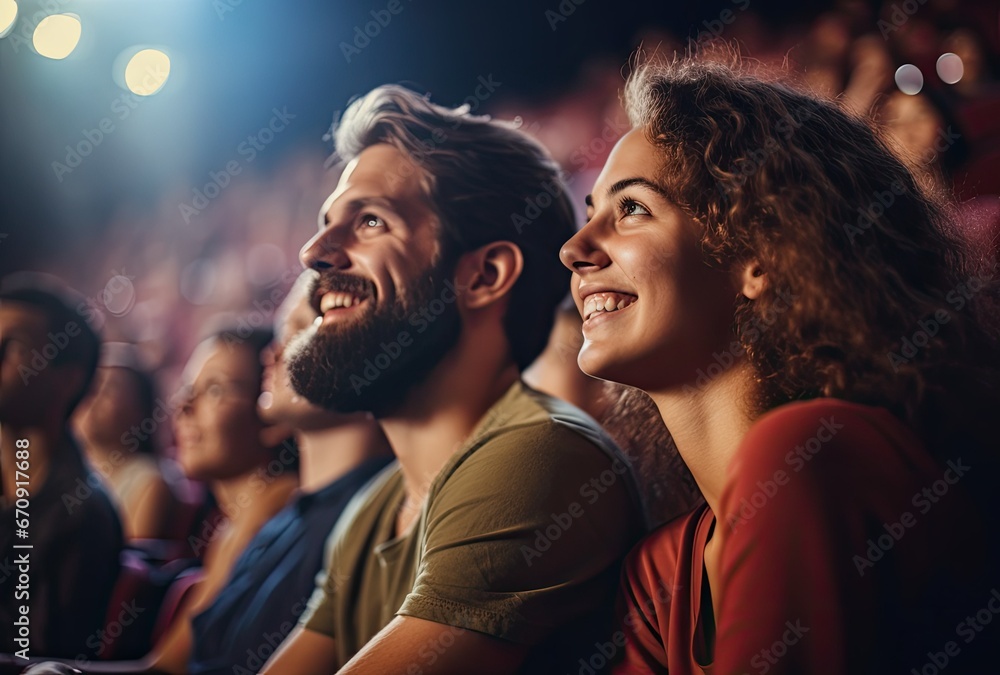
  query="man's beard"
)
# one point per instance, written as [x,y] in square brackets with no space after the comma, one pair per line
[362,366]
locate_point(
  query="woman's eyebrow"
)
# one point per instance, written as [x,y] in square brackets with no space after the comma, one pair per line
[641,182]
[629,182]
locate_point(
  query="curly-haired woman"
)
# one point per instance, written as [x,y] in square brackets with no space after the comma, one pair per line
[818,341]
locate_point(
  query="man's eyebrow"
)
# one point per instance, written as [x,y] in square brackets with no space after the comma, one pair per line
[359,203]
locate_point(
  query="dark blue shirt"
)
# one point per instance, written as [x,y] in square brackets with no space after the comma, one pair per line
[272,580]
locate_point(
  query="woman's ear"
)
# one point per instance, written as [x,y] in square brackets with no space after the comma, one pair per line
[487,274]
[751,279]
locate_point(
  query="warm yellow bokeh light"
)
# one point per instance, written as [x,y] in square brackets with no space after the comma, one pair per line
[147,72]
[8,14]
[56,36]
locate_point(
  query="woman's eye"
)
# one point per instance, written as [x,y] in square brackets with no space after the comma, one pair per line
[632,208]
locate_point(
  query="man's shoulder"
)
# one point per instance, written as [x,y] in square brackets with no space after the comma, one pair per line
[530,420]
[538,443]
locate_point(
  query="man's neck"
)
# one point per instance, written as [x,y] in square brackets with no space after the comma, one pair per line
[439,414]
[42,443]
[327,454]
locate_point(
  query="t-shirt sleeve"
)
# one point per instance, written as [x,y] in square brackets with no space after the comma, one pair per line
[518,563]
[641,616]
[809,485]
[319,615]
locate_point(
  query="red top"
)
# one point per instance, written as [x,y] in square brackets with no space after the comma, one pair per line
[844,548]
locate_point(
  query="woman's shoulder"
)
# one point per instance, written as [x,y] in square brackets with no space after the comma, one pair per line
[799,435]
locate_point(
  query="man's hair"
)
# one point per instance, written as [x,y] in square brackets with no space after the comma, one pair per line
[816,195]
[58,303]
[480,177]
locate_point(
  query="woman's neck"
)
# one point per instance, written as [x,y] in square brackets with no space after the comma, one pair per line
[707,424]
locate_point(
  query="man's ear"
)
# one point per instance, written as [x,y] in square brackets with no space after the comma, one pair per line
[488,273]
[273,435]
[750,278]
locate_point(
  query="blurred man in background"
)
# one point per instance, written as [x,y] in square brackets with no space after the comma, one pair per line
[49,355]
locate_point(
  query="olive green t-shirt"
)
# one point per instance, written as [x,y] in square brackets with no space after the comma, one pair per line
[521,538]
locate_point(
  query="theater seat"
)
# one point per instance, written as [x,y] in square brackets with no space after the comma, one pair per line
[134,603]
[176,596]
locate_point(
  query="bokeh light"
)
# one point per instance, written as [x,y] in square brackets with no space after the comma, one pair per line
[147,72]
[57,35]
[8,15]
[950,68]
[909,79]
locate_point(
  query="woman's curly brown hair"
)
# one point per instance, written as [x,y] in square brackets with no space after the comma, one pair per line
[816,196]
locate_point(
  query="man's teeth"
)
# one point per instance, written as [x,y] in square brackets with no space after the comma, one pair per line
[606,302]
[333,300]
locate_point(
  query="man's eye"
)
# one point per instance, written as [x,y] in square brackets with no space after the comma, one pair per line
[371,221]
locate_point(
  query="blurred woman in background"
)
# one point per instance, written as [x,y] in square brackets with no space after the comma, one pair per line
[118,423]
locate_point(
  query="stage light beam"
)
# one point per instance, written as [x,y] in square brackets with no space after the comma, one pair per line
[57,35]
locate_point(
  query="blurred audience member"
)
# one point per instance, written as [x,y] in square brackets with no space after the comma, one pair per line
[249,464]
[275,575]
[49,355]
[928,136]
[114,422]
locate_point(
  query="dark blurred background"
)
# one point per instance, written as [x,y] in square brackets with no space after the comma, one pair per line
[168,208]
